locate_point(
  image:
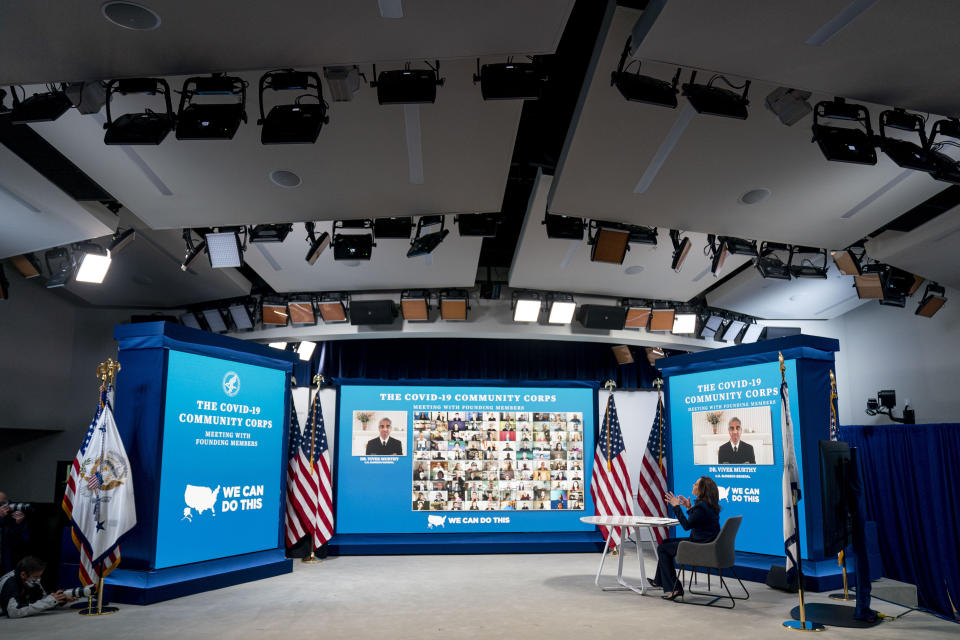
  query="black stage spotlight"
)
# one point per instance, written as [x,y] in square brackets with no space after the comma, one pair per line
[299,122]
[193,250]
[270,232]
[947,169]
[638,88]
[770,264]
[424,243]
[681,247]
[808,262]
[483,225]
[904,153]
[844,144]
[317,243]
[211,121]
[40,107]
[564,227]
[719,246]
[896,284]
[60,266]
[408,86]
[392,228]
[509,80]
[352,246]
[934,297]
[147,127]
[740,246]
[715,101]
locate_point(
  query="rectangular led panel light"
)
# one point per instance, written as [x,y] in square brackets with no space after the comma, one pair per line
[274,314]
[684,323]
[526,310]
[93,267]
[453,309]
[561,312]
[214,320]
[637,318]
[301,312]
[282,346]
[224,249]
[332,311]
[189,320]
[305,350]
[733,330]
[752,334]
[415,309]
[661,320]
[241,316]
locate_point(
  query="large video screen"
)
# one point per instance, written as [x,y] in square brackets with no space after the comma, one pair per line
[222,460]
[463,459]
[726,424]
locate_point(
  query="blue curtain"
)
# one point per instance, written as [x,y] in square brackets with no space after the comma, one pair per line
[910,478]
[479,359]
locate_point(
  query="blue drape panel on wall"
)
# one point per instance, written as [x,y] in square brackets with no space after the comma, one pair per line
[480,359]
[911,479]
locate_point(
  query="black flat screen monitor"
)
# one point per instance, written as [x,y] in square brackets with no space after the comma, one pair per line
[836,495]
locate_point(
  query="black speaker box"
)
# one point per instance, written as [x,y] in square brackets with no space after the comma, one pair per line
[596,316]
[781,332]
[372,312]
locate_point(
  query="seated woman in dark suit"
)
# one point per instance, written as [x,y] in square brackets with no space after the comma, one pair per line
[702,520]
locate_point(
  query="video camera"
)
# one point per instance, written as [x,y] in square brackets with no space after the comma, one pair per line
[17,506]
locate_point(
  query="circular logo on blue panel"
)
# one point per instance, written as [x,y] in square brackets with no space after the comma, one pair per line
[231,383]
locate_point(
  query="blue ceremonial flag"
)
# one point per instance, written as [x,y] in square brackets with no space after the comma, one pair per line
[791,487]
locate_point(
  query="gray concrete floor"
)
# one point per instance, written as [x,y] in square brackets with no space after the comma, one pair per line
[452,597]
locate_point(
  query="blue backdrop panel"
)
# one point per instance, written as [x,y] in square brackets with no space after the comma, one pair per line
[910,476]
[162,362]
[374,493]
[748,376]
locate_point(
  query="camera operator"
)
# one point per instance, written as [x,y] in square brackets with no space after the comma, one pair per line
[21,594]
[13,534]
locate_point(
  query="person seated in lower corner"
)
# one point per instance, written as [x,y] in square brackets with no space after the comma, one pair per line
[21,593]
[702,520]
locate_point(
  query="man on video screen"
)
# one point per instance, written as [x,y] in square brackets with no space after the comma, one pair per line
[736,451]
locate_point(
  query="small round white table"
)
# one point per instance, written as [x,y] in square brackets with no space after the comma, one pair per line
[628,522]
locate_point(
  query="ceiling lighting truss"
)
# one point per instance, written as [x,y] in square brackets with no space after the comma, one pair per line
[430,233]
[844,144]
[717,101]
[408,86]
[211,120]
[635,87]
[145,128]
[298,122]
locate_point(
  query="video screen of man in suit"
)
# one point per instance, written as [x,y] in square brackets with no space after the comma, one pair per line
[736,451]
[385,445]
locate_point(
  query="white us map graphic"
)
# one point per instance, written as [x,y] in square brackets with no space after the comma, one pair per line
[201,499]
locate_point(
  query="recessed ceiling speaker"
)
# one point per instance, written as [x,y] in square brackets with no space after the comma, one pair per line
[130,15]
[372,312]
[597,316]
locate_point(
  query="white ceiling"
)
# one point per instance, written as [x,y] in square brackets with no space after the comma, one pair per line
[452,264]
[54,41]
[715,161]
[35,215]
[894,53]
[931,250]
[564,265]
[359,166]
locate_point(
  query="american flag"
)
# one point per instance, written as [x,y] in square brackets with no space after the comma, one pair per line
[653,474]
[309,489]
[89,573]
[791,486]
[610,483]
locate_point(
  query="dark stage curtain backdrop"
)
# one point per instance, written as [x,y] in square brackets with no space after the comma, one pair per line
[910,477]
[454,359]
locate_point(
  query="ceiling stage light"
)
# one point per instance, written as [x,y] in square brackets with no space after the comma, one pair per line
[681,247]
[121,239]
[424,243]
[214,320]
[270,232]
[482,225]
[40,107]
[415,306]
[27,265]
[282,346]
[305,350]
[333,308]
[392,228]
[301,311]
[934,297]
[808,262]
[94,263]
[848,261]
[638,315]
[868,284]
[189,319]
[352,246]
[299,122]
[526,307]
[407,86]
[711,326]
[715,101]
[684,323]
[60,265]
[906,154]
[224,249]
[732,331]
[752,333]
[273,313]
[317,243]
[242,316]
[564,227]
[454,305]
[611,240]
[771,265]
[211,121]
[661,320]
[367,312]
[562,308]
[193,250]
[844,144]
[639,88]
[509,80]
[147,127]
[947,169]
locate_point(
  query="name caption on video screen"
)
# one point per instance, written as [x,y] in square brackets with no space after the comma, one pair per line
[468,397]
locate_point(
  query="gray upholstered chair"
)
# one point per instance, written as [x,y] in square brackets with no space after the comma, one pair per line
[718,555]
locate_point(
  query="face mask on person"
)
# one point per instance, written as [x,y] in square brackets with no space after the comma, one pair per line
[32,582]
